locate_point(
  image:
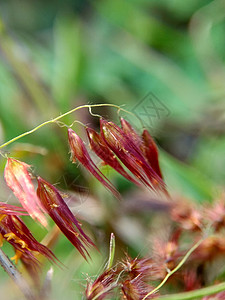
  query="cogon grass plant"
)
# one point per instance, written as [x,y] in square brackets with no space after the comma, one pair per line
[173,263]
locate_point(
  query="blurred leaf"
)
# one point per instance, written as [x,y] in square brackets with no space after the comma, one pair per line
[209,158]
[67,47]
[186,180]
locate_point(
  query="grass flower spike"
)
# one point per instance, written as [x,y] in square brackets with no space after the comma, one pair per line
[102,287]
[80,153]
[60,213]
[151,152]
[19,181]
[13,230]
[127,146]
[100,148]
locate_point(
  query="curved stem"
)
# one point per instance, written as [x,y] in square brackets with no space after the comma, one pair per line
[175,269]
[59,117]
[196,294]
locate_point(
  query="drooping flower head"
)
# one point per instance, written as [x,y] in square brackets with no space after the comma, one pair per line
[60,213]
[135,267]
[135,281]
[145,143]
[102,287]
[100,148]
[216,214]
[80,153]
[113,145]
[150,151]
[19,181]
[14,231]
[128,147]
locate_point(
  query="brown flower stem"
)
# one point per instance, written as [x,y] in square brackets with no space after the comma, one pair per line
[16,276]
[51,237]
[196,294]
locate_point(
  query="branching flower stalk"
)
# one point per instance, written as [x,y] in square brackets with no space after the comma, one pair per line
[60,117]
[117,147]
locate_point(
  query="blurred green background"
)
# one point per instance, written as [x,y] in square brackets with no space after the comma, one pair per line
[162,60]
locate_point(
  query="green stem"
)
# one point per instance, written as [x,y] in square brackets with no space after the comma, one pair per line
[175,269]
[195,294]
[59,117]
[112,247]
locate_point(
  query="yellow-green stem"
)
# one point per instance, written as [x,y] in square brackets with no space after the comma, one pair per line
[112,247]
[59,117]
[196,294]
[175,269]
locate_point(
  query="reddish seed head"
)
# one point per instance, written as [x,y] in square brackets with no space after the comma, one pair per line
[216,215]
[136,288]
[13,229]
[146,144]
[79,152]
[139,156]
[100,148]
[150,151]
[209,249]
[58,210]
[130,132]
[135,267]
[188,217]
[126,146]
[102,286]
[19,181]
[166,253]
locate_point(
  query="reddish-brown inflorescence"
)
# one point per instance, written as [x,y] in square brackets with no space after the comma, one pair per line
[166,254]
[130,277]
[146,145]
[186,215]
[80,153]
[13,230]
[138,154]
[102,286]
[135,267]
[100,148]
[18,179]
[216,215]
[136,289]
[127,146]
[136,275]
[211,248]
[150,151]
[58,210]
